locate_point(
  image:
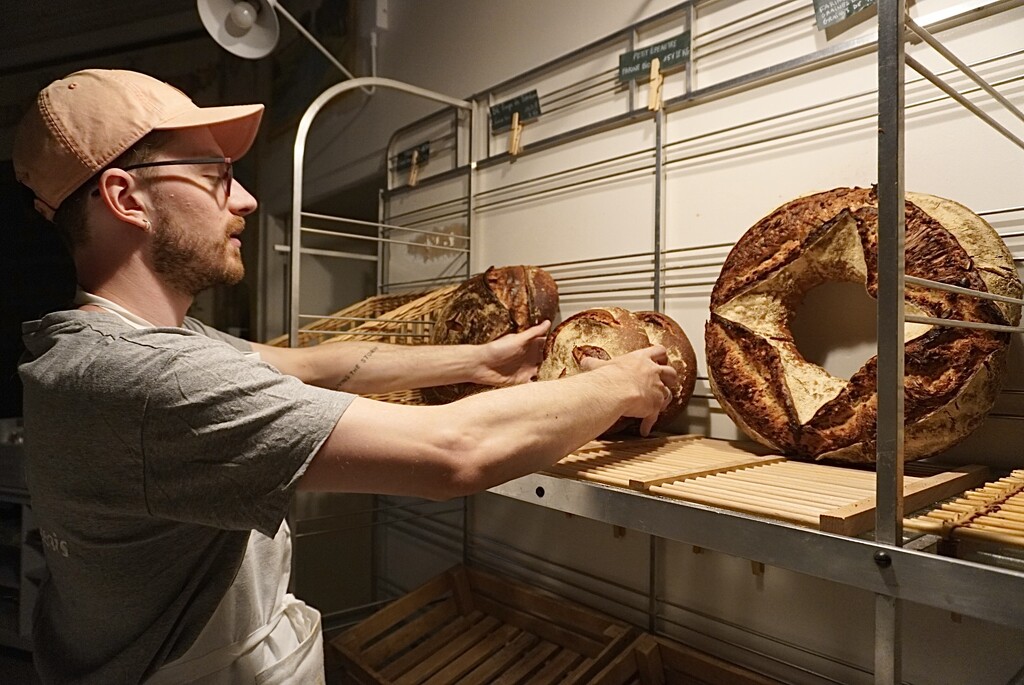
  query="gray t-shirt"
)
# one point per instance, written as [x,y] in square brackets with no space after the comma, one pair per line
[152,454]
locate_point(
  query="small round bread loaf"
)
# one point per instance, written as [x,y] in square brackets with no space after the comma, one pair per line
[952,375]
[661,330]
[487,306]
[607,332]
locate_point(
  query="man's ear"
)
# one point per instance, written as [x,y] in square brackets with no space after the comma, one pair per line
[124,197]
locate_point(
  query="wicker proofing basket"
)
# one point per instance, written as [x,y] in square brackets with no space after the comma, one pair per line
[476,628]
[349,318]
[408,324]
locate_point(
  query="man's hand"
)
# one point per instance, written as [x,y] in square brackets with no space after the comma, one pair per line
[645,376]
[514,358]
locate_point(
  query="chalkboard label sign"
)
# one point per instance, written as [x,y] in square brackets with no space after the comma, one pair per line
[671,53]
[404,159]
[527,104]
[828,12]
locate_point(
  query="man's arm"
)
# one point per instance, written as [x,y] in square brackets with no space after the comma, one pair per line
[371,367]
[489,438]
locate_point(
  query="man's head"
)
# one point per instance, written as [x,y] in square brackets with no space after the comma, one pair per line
[82,123]
[129,150]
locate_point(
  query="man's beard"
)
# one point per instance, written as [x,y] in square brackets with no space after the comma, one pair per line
[191,262]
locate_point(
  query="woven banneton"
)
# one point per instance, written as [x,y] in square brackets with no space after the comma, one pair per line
[407,324]
[349,318]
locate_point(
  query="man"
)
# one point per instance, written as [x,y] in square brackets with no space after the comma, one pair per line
[163,454]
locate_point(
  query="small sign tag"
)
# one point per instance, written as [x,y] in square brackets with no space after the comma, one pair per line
[671,53]
[404,159]
[829,12]
[527,104]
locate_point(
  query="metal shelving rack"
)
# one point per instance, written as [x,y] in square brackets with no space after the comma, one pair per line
[893,567]
[298,216]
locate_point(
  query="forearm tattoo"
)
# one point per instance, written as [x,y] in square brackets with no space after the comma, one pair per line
[355,369]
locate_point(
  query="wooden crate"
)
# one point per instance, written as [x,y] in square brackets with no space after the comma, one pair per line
[748,478]
[651,660]
[472,627]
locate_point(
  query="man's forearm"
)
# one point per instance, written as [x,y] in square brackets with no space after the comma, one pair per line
[475,443]
[373,367]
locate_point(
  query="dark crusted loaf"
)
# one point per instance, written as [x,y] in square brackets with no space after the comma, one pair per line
[487,306]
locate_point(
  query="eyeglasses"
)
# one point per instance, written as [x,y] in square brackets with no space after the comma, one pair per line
[226,178]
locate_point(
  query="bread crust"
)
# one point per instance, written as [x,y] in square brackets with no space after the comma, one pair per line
[485,307]
[951,374]
[607,332]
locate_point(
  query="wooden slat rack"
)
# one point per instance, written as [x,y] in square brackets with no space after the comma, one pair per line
[749,478]
[993,513]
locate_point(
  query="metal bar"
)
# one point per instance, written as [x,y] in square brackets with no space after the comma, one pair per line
[377,224]
[424,281]
[1007,210]
[953,93]
[536,180]
[326,253]
[773,639]
[935,285]
[659,206]
[891,222]
[652,584]
[362,318]
[808,19]
[298,159]
[576,184]
[954,323]
[741,20]
[356,236]
[377,334]
[889,426]
[990,594]
[963,66]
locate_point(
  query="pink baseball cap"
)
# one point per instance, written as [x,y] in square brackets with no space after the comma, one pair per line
[85,121]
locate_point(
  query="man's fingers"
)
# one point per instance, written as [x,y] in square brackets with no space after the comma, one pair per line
[658,353]
[538,331]
[647,424]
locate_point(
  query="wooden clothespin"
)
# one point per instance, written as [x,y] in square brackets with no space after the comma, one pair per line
[515,136]
[414,168]
[654,90]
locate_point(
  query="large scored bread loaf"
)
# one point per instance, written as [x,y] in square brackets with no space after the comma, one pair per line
[952,375]
[607,332]
[487,306]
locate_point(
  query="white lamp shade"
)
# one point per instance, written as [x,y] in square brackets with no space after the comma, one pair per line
[226,21]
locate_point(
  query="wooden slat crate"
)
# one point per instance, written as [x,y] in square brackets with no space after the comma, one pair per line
[651,660]
[992,514]
[471,627]
[746,477]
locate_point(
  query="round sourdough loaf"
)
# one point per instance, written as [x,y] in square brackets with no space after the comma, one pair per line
[952,375]
[487,306]
[607,332]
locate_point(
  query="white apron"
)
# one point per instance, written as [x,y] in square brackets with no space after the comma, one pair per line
[286,648]
[259,633]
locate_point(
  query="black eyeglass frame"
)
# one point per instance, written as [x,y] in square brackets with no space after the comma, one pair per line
[199,160]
